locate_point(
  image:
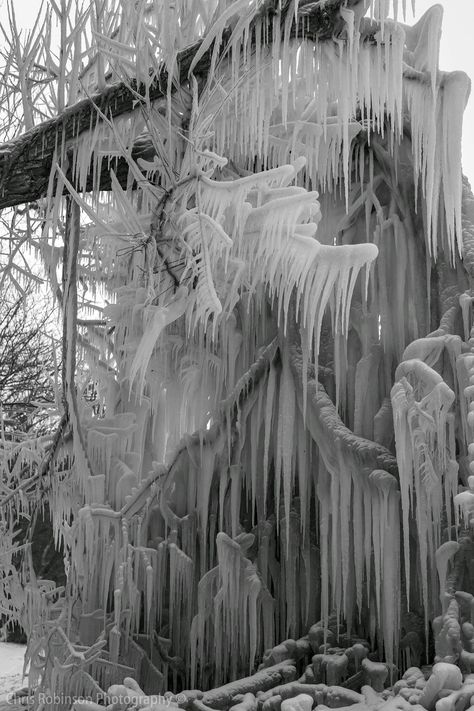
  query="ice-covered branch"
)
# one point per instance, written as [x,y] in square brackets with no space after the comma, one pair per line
[26,162]
[260,681]
[326,425]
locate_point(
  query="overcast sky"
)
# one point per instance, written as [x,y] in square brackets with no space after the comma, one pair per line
[457,50]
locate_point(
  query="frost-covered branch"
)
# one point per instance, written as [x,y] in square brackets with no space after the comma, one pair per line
[25,484]
[260,681]
[26,162]
[327,426]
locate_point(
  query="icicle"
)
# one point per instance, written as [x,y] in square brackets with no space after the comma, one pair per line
[456,91]
[255,424]
[270,396]
[235,489]
[208,459]
[285,438]
[304,479]
[358,534]
[323,493]
[156,318]
[335,578]
[236,606]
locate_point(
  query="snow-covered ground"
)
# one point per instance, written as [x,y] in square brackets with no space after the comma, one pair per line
[11,668]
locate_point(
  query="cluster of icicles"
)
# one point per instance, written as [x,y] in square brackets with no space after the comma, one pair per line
[318,100]
[313,99]
[272,514]
[147,534]
[157,534]
[127,551]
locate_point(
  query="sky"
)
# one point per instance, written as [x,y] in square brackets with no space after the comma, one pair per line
[457,50]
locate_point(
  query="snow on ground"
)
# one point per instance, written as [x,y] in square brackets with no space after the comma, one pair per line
[11,668]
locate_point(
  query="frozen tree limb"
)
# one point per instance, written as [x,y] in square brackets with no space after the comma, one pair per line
[263,680]
[330,425]
[26,162]
[58,439]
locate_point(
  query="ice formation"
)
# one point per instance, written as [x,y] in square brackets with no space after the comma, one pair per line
[279,427]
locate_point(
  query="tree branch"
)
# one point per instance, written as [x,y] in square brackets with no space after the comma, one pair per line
[26,162]
[325,425]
